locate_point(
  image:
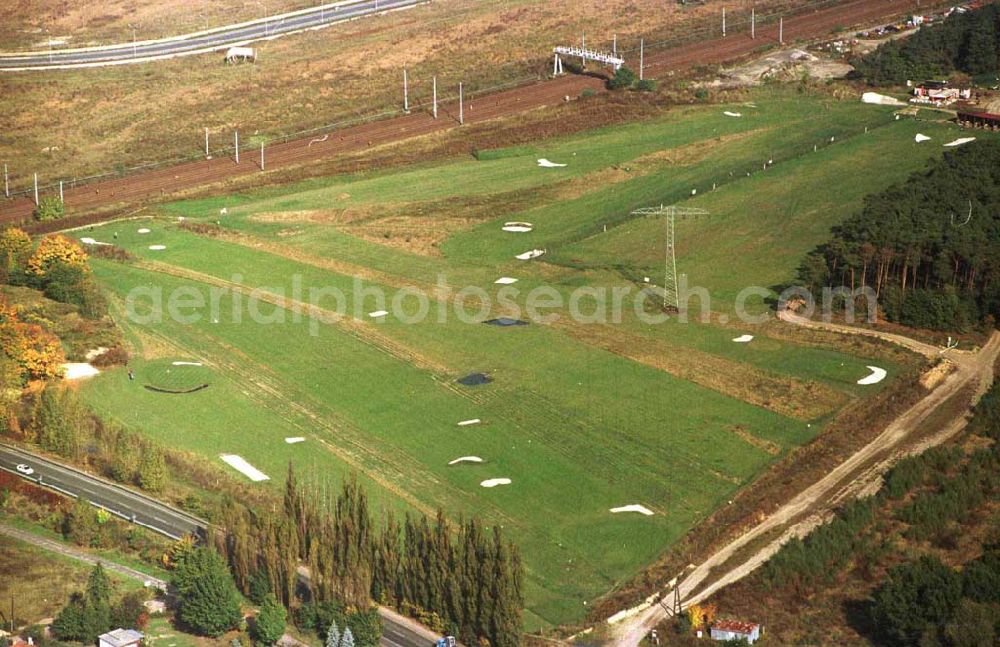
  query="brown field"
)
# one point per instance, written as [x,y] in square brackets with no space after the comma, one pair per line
[66,124]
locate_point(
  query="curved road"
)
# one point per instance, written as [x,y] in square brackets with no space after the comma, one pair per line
[114,498]
[201,42]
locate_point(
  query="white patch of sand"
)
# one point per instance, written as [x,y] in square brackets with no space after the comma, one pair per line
[544,163]
[635,507]
[90,241]
[920,137]
[143,230]
[239,464]
[880,99]
[732,114]
[877,375]
[743,339]
[960,141]
[518,227]
[466,423]
[505,280]
[295,439]
[495,482]
[78,370]
[535,253]
[186,363]
[466,459]
[378,313]
[157,248]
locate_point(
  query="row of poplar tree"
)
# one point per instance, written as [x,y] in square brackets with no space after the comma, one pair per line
[463,579]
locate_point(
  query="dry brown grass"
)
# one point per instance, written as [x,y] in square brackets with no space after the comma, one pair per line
[79,122]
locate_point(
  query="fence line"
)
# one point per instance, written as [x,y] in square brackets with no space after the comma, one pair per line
[736,23]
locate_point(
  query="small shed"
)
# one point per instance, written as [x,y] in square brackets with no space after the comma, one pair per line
[735,630]
[120,638]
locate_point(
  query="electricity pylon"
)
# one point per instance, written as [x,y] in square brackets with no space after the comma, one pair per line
[671,293]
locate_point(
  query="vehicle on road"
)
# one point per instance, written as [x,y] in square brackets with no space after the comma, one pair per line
[24,469]
[447,641]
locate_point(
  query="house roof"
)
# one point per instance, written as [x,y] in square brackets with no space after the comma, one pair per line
[121,637]
[737,626]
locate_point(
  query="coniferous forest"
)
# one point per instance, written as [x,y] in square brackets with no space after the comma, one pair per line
[965,42]
[929,248]
[463,579]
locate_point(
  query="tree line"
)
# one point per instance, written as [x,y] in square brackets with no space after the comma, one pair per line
[462,579]
[929,248]
[965,42]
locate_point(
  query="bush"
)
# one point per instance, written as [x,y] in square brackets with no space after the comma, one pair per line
[207,598]
[917,595]
[49,208]
[115,356]
[623,78]
[646,85]
[269,624]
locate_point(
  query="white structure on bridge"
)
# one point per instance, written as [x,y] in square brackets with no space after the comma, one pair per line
[585,55]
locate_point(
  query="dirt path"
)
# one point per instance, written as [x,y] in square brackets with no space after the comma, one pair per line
[160,182]
[803,512]
[54,546]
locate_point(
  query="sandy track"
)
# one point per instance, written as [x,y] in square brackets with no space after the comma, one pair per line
[855,475]
[157,183]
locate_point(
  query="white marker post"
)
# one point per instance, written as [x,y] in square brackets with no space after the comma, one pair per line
[614,45]
[36,189]
[723,22]
[6,182]
[781,30]
[236,145]
[262,156]
[61,192]
[461,105]
[753,22]
[435,99]
[406,92]
[642,56]
[206,143]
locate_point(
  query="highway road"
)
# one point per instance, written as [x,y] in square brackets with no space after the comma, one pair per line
[114,498]
[200,42]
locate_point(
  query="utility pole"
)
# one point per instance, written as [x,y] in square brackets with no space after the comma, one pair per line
[236,134]
[406,92]
[461,105]
[435,100]
[36,189]
[723,22]
[614,45]
[6,182]
[642,57]
[206,143]
[262,156]
[133,43]
[753,22]
[61,192]
[781,30]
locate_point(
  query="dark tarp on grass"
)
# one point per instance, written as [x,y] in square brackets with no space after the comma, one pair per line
[475,379]
[505,321]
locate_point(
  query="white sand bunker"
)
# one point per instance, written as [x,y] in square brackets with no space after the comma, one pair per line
[186,363]
[535,253]
[295,439]
[466,423]
[635,507]
[743,339]
[880,99]
[378,313]
[732,114]
[91,241]
[544,163]
[157,248]
[920,137]
[518,227]
[494,482]
[78,370]
[960,141]
[144,230]
[469,459]
[877,375]
[239,464]
[505,280]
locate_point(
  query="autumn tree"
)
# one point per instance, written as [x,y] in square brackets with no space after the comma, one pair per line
[152,470]
[59,421]
[15,250]
[56,250]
